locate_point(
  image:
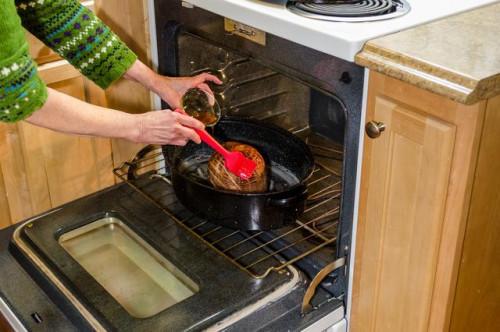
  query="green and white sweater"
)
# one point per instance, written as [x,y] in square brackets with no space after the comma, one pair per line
[72,31]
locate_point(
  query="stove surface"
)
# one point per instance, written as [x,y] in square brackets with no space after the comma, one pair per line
[341,39]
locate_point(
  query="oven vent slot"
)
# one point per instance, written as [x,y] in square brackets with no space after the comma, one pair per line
[310,241]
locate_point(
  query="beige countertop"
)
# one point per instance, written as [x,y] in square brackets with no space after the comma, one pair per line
[457,57]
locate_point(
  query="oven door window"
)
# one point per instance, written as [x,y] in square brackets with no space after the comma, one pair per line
[135,274]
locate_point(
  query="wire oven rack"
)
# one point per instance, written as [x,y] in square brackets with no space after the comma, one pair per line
[258,253]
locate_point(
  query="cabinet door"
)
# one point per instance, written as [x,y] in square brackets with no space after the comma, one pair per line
[414,186]
[409,169]
[44,169]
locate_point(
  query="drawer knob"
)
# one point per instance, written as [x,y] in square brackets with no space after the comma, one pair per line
[374,129]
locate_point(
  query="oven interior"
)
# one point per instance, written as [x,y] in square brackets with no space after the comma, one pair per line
[255,90]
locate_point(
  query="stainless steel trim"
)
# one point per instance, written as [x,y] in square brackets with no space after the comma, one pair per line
[24,247]
[352,255]
[275,295]
[11,318]
[329,321]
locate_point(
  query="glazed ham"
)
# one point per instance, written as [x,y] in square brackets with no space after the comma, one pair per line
[221,178]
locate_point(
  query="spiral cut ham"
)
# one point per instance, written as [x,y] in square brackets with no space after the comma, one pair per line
[221,178]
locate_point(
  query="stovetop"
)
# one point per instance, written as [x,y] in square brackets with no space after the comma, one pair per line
[341,39]
[349,10]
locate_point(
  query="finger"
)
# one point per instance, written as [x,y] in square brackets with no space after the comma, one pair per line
[204,77]
[210,95]
[189,133]
[188,121]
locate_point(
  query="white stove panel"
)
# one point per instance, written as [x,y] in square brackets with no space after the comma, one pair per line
[340,39]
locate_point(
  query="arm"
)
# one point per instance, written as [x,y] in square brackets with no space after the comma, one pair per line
[21,90]
[75,33]
[67,114]
[79,36]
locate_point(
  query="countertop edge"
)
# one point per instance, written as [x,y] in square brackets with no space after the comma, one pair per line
[458,87]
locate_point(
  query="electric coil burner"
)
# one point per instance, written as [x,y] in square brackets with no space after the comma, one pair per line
[350,11]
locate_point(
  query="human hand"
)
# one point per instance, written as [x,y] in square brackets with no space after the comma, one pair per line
[171,89]
[166,127]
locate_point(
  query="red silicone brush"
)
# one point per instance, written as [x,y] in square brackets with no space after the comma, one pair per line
[235,161]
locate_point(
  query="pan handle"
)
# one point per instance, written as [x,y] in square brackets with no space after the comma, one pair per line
[133,164]
[288,202]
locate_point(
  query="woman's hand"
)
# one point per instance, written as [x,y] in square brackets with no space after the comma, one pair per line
[166,127]
[170,89]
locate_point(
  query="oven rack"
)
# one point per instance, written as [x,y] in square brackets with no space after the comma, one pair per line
[258,253]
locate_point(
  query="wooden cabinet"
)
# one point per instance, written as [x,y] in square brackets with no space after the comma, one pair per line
[476,306]
[61,167]
[42,169]
[408,180]
[4,325]
[416,188]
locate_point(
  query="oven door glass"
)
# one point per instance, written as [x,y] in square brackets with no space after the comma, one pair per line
[135,274]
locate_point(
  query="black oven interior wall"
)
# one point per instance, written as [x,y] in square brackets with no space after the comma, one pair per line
[312,94]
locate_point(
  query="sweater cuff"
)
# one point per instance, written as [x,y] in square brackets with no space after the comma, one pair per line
[22,92]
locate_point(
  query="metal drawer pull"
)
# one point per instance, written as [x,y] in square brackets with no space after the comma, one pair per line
[374,129]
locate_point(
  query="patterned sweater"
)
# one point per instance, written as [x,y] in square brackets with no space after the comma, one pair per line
[72,31]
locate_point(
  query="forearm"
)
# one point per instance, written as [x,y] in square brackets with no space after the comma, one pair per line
[69,115]
[66,114]
[144,75]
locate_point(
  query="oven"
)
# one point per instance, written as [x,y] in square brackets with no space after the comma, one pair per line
[133,258]
[316,96]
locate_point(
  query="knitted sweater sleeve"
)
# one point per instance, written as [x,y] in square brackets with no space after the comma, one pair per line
[21,90]
[76,34]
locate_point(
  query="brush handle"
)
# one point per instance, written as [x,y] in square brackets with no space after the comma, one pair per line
[212,142]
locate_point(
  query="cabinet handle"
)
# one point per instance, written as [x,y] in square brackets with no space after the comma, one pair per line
[374,129]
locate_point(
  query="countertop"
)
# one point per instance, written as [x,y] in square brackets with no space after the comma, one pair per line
[339,39]
[457,57]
